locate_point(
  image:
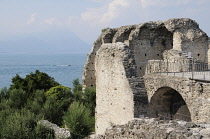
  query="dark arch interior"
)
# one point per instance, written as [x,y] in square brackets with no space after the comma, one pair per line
[168,104]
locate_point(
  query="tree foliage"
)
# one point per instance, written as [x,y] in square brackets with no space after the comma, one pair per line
[33,81]
[21,124]
[79,120]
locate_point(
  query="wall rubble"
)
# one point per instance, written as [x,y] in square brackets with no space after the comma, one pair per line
[156,129]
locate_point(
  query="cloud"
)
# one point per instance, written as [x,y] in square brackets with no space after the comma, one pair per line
[113,10]
[164,3]
[106,14]
[52,21]
[32,19]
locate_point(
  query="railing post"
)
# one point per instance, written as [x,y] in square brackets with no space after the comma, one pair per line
[167,66]
[204,75]
[192,68]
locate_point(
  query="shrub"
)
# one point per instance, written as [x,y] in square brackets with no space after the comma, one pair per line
[77,91]
[17,98]
[18,124]
[35,104]
[90,99]
[105,29]
[79,120]
[3,93]
[42,132]
[59,92]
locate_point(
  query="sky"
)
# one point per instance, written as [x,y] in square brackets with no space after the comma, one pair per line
[86,18]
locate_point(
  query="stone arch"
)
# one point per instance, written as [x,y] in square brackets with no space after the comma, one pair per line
[168,103]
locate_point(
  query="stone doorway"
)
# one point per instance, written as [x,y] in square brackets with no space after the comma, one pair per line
[168,104]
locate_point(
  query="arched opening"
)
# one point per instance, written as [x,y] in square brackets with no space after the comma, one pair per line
[168,104]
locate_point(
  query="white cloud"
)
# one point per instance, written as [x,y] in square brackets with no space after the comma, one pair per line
[106,14]
[52,21]
[113,10]
[32,19]
[164,3]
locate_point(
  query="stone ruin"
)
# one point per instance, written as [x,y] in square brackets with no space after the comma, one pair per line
[120,57]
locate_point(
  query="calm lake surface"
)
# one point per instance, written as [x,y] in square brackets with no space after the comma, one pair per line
[63,67]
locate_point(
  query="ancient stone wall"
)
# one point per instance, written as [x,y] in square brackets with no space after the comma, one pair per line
[195,94]
[114,65]
[148,41]
[188,37]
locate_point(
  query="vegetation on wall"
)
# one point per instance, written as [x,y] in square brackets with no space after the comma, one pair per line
[40,97]
[105,29]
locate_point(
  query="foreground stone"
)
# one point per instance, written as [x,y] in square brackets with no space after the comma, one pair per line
[156,129]
[60,133]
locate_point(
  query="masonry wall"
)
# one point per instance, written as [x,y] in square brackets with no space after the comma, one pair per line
[188,37]
[148,41]
[114,96]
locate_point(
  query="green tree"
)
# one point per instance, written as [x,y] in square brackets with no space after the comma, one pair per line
[90,99]
[17,98]
[33,81]
[37,102]
[3,93]
[22,124]
[77,90]
[79,120]
[18,124]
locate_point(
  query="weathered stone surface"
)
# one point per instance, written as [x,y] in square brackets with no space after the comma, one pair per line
[60,133]
[155,129]
[113,89]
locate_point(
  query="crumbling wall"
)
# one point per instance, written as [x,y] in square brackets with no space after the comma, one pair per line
[188,37]
[114,65]
[148,41]
[88,77]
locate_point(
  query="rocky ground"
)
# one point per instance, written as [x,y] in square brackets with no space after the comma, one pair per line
[156,129]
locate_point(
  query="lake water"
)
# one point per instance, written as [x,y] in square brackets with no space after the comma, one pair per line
[63,67]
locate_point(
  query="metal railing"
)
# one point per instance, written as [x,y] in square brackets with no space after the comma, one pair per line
[183,68]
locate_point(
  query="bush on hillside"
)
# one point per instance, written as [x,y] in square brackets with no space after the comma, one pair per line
[59,92]
[79,120]
[22,124]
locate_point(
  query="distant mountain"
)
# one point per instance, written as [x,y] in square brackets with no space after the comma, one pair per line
[44,42]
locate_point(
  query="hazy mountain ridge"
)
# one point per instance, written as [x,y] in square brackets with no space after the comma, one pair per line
[45,42]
